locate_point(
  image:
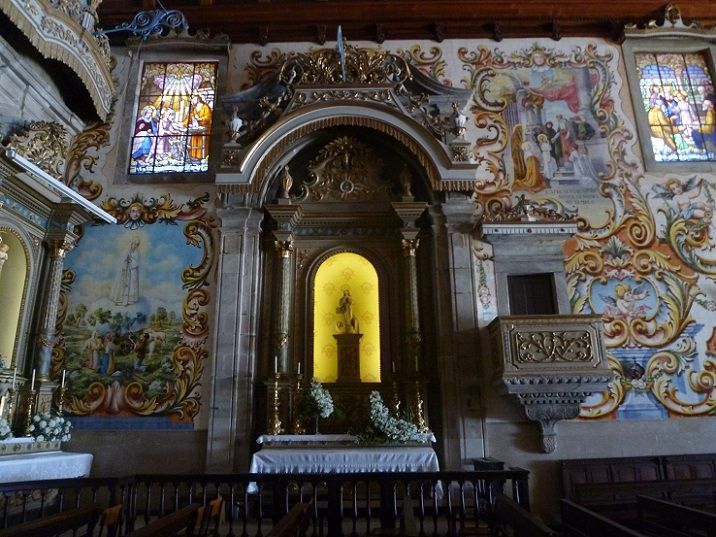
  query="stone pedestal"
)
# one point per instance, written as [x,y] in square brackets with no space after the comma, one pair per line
[348,357]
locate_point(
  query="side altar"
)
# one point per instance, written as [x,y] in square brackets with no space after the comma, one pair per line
[338,453]
[22,459]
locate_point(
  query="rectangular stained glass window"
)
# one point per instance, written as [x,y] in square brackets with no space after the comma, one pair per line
[678,96]
[172,125]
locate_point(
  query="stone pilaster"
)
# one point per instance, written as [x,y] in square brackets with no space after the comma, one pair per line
[457,314]
[229,441]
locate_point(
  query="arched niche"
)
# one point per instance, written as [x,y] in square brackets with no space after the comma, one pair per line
[14,280]
[337,273]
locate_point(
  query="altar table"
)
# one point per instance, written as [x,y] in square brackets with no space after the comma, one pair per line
[44,465]
[344,459]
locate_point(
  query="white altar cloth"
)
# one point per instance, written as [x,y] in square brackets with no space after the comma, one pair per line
[44,465]
[344,460]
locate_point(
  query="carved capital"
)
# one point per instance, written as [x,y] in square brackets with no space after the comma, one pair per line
[59,248]
[284,248]
[410,246]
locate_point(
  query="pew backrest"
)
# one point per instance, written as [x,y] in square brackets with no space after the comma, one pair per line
[65,521]
[183,520]
[656,514]
[294,523]
[520,522]
[581,521]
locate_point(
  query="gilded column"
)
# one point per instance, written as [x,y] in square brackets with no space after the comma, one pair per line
[411,370]
[412,313]
[282,320]
[286,217]
[58,249]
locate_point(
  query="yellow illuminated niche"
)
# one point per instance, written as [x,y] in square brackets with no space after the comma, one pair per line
[338,273]
[12,287]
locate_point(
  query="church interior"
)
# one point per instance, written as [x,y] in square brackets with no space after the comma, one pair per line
[261,239]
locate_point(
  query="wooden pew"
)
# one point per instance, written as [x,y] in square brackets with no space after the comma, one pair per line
[579,521]
[183,520]
[294,524]
[510,514]
[667,518]
[56,524]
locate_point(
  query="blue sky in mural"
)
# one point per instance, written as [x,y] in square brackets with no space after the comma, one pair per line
[157,262]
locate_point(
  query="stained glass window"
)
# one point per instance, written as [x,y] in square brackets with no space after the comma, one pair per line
[172,125]
[678,97]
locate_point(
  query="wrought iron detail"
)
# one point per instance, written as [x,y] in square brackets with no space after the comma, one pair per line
[146,24]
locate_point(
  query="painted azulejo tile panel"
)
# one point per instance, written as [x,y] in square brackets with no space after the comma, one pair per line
[133,319]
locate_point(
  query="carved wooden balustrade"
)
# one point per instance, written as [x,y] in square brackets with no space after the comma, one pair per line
[551,363]
[440,503]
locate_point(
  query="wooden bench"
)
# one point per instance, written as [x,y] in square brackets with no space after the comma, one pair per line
[667,518]
[294,524]
[71,520]
[579,521]
[183,520]
[611,486]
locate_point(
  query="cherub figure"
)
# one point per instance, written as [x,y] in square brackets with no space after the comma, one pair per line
[681,198]
[624,304]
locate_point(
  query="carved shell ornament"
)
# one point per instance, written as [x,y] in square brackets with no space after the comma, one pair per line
[345,170]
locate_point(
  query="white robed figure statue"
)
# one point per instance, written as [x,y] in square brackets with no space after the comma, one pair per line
[125,290]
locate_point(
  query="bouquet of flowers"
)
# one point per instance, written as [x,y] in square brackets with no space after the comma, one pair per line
[46,427]
[5,431]
[316,401]
[386,427]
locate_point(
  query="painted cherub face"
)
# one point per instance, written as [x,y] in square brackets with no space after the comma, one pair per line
[675,187]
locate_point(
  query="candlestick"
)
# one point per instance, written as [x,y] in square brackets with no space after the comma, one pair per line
[299,368]
[275,363]
[62,385]
[32,384]
[392,367]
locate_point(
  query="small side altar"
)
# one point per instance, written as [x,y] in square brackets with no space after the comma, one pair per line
[326,453]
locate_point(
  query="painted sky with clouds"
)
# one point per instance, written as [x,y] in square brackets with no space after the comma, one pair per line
[163,255]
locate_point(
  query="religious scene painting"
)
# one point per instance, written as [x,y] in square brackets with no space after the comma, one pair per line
[678,97]
[172,126]
[549,108]
[134,320]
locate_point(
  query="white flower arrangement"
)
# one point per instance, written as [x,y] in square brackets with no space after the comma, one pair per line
[5,431]
[47,427]
[384,426]
[316,401]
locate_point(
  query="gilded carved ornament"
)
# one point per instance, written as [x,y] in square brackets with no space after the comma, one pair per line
[345,170]
[44,144]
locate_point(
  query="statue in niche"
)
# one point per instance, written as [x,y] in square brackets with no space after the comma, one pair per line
[4,255]
[286,184]
[349,324]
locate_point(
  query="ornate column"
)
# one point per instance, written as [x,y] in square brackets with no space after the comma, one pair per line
[286,217]
[409,212]
[58,247]
[279,388]
[232,382]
